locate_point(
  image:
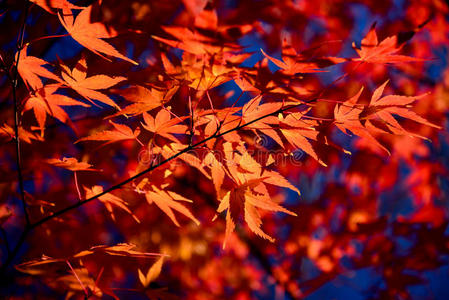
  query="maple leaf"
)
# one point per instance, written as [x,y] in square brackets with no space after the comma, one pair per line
[30,68]
[31,201]
[298,131]
[144,99]
[385,107]
[39,266]
[109,200]
[87,86]
[89,34]
[168,201]
[247,195]
[293,62]
[172,149]
[78,281]
[24,135]
[243,82]
[373,51]
[249,191]
[70,163]
[164,125]
[253,110]
[120,133]
[46,102]
[152,273]
[347,118]
[217,171]
[189,41]
[52,5]
[201,74]
[194,42]
[121,249]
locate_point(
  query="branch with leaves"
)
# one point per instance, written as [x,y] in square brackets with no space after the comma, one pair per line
[194,103]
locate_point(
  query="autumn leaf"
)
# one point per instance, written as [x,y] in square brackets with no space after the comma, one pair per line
[78,282]
[164,125]
[194,42]
[152,273]
[144,99]
[25,135]
[168,201]
[39,266]
[217,171]
[52,5]
[387,106]
[89,34]
[120,133]
[109,200]
[243,82]
[200,76]
[347,118]
[293,62]
[32,68]
[250,192]
[122,249]
[71,163]
[384,52]
[46,102]
[88,86]
[172,149]
[253,110]
[298,131]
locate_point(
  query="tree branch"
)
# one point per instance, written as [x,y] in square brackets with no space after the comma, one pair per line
[16,113]
[130,179]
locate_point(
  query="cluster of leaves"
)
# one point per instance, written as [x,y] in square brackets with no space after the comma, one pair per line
[209,151]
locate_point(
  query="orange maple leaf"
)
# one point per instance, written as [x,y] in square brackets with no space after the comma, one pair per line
[168,201]
[70,163]
[39,266]
[200,74]
[30,68]
[88,86]
[46,102]
[347,118]
[372,51]
[293,62]
[387,106]
[298,131]
[144,99]
[249,193]
[152,273]
[89,34]
[109,200]
[52,5]
[164,125]
[24,135]
[121,132]
[253,110]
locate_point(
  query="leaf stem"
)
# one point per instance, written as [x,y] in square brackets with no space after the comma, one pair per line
[77,278]
[77,186]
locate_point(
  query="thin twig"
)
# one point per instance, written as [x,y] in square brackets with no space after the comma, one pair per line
[77,186]
[5,238]
[77,278]
[16,114]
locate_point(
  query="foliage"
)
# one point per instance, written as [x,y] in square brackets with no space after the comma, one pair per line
[215,149]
